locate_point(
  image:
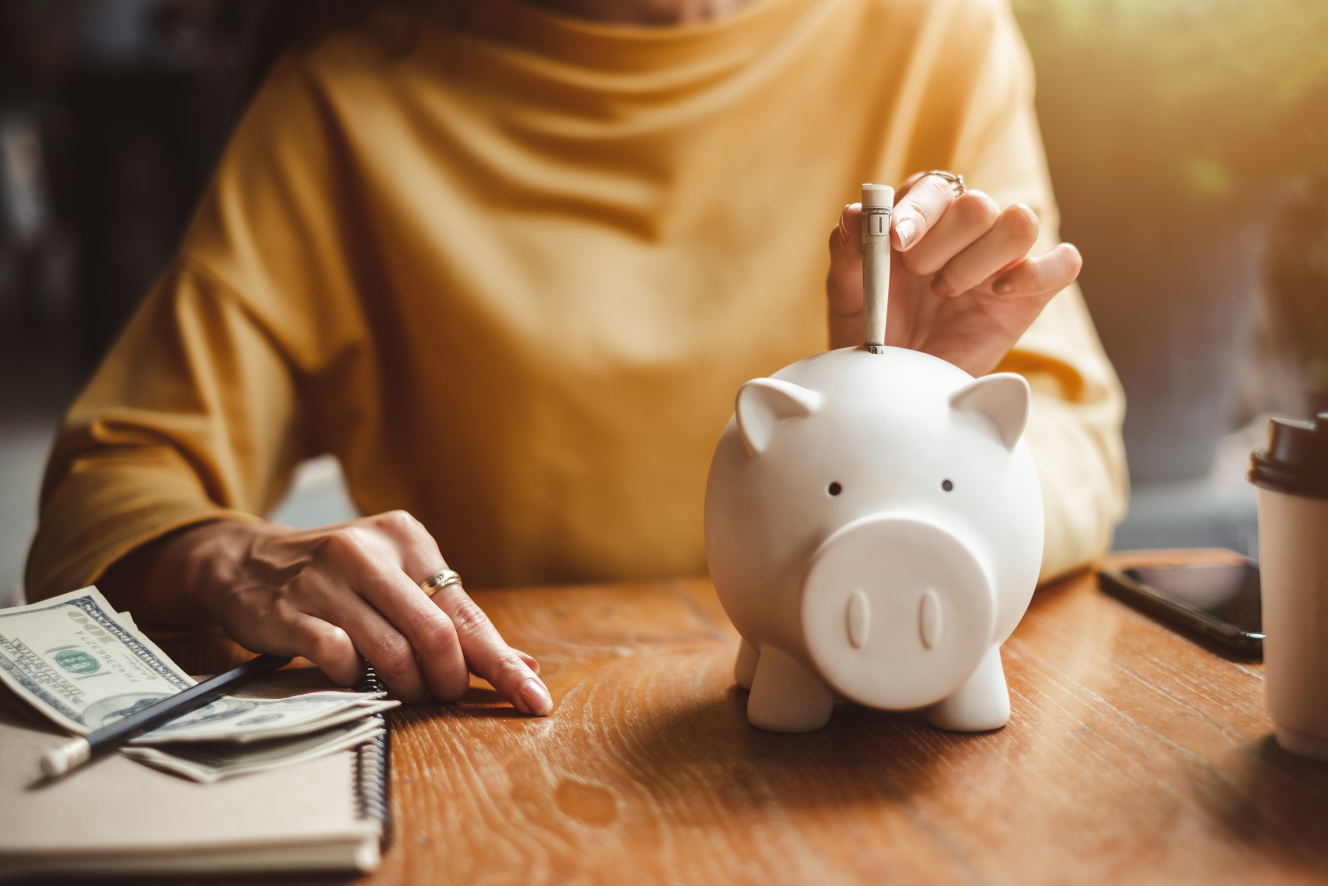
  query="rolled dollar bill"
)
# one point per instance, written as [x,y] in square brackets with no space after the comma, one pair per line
[877,205]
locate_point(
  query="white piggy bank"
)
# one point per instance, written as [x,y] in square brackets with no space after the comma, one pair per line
[874,529]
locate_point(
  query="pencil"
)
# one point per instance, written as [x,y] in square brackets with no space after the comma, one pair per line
[78,751]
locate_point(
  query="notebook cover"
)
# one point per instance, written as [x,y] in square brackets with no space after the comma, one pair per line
[117,816]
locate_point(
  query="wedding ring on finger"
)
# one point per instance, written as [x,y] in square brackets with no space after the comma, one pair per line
[439,580]
[955,179]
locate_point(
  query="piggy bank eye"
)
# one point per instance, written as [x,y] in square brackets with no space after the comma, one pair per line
[947,485]
[835,488]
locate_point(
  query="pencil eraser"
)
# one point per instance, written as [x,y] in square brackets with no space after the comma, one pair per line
[877,196]
[54,763]
[71,755]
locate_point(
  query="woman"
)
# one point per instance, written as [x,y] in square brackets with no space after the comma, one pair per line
[510,265]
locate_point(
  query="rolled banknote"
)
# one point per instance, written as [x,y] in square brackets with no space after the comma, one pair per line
[877,207]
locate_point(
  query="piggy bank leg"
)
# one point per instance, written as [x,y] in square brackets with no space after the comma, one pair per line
[982,703]
[744,669]
[786,697]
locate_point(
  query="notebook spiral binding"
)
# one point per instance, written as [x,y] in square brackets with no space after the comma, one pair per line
[373,766]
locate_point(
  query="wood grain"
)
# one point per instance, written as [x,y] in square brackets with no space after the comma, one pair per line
[1133,756]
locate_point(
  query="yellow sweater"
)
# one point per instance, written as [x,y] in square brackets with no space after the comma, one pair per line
[511,269]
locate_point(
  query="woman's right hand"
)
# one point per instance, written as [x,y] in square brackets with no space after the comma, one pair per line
[963,285]
[337,595]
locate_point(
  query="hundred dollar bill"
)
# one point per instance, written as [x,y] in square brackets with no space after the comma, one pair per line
[210,762]
[257,719]
[78,662]
[73,654]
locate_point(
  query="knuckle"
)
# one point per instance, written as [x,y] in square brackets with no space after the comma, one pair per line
[344,542]
[395,657]
[934,195]
[331,646]
[334,639]
[438,637]
[398,521]
[978,207]
[468,618]
[282,613]
[1021,222]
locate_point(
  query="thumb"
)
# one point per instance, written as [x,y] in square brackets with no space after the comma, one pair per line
[843,284]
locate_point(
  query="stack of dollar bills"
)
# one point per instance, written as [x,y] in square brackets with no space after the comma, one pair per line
[83,665]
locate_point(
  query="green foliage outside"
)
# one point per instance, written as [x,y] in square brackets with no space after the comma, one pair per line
[1202,98]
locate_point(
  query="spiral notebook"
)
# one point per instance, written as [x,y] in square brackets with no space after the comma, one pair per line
[117,817]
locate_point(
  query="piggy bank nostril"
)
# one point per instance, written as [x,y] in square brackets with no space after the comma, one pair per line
[835,488]
[947,485]
[859,619]
[929,619]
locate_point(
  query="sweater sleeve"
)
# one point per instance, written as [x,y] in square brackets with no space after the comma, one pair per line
[1074,429]
[222,380]
[192,417]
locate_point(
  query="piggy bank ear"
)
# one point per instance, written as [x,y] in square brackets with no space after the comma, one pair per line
[1002,398]
[764,402]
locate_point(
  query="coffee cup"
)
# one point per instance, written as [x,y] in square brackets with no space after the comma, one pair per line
[1291,473]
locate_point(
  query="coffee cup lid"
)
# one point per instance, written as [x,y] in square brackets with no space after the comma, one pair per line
[1295,459]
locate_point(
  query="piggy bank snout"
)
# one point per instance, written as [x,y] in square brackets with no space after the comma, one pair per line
[897,612]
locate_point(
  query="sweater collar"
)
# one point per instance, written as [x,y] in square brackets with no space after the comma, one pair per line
[729,40]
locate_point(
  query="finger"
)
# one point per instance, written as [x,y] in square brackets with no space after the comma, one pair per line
[843,283]
[386,648]
[429,631]
[970,217]
[488,654]
[327,646]
[417,552]
[1009,239]
[919,209]
[1050,272]
[286,630]
[373,554]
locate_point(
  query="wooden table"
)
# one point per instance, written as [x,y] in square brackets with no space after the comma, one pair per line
[1133,756]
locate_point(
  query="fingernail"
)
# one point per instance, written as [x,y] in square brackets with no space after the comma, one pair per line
[536,697]
[843,226]
[906,231]
[1002,286]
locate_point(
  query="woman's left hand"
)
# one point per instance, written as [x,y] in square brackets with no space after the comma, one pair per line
[962,285]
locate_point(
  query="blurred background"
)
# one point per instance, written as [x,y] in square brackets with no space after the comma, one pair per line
[1188,144]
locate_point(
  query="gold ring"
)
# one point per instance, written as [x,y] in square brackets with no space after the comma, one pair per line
[955,179]
[439,580]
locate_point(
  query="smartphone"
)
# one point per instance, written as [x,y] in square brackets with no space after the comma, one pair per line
[1220,602]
